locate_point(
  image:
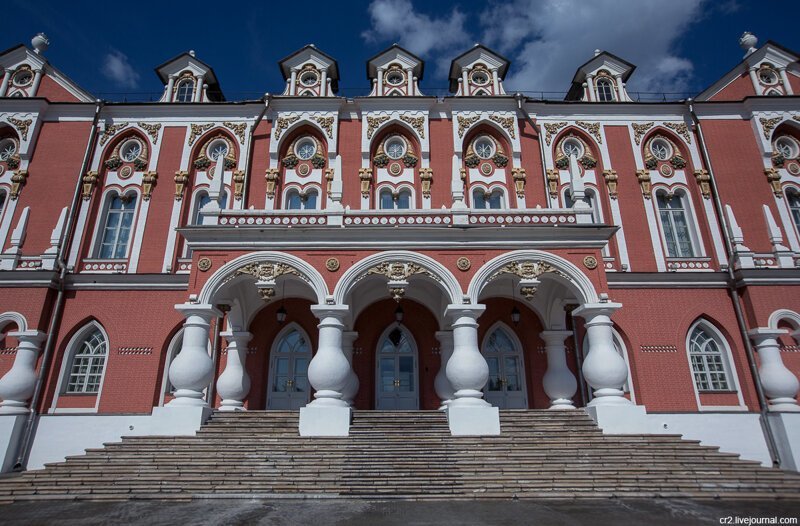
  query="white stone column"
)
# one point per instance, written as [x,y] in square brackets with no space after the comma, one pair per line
[465,83]
[351,388]
[37,79]
[441,384]
[328,414]
[559,383]
[495,82]
[4,85]
[234,382]
[170,87]
[409,82]
[468,414]
[192,369]
[603,367]
[293,83]
[620,88]
[323,83]
[198,88]
[379,91]
[787,87]
[16,386]
[590,87]
[754,80]
[779,384]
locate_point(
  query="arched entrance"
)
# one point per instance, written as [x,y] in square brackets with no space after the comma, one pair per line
[397,385]
[506,386]
[288,387]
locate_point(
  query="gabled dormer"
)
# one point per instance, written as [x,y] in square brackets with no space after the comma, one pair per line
[478,72]
[188,79]
[766,71]
[310,73]
[395,71]
[601,79]
[27,73]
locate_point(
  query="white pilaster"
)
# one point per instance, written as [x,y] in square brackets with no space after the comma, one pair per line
[16,386]
[441,384]
[4,85]
[198,88]
[234,382]
[559,383]
[590,87]
[170,87]
[323,83]
[495,82]
[192,370]
[465,83]
[293,83]
[379,92]
[37,80]
[787,87]
[620,88]
[780,385]
[754,80]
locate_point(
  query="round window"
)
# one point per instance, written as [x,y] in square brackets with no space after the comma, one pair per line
[480,78]
[661,149]
[309,78]
[787,147]
[395,147]
[768,76]
[216,148]
[484,147]
[572,147]
[395,78]
[23,77]
[130,150]
[8,147]
[305,148]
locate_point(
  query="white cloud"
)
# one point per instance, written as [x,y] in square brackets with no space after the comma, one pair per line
[398,21]
[548,40]
[117,68]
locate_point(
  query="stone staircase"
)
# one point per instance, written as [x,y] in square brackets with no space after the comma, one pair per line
[402,455]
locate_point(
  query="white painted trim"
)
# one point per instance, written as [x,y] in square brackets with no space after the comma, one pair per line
[13,317]
[172,236]
[784,314]
[728,363]
[6,215]
[105,201]
[66,365]
[781,203]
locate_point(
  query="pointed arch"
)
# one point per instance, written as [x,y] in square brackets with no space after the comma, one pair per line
[711,362]
[395,123]
[291,131]
[396,343]
[287,368]
[83,365]
[503,351]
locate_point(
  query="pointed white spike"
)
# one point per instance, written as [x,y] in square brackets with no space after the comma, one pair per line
[18,235]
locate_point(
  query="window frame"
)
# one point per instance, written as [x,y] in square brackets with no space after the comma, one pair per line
[792,194]
[488,140]
[14,143]
[102,223]
[303,197]
[606,82]
[395,139]
[404,189]
[66,362]
[728,364]
[302,141]
[487,193]
[689,217]
[793,144]
[178,90]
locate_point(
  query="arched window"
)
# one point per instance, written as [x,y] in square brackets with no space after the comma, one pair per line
[391,201]
[675,224]
[117,226]
[201,200]
[88,363]
[307,201]
[792,199]
[605,90]
[709,360]
[185,91]
[482,200]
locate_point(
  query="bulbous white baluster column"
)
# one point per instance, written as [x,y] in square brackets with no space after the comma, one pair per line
[466,369]
[780,385]
[603,368]
[351,388]
[234,382]
[192,370]
[441,384]
[329,370]
[16,386]
[559,383]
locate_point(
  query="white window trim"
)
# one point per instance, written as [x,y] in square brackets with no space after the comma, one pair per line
[302,191]
[488,190]
[102,216]
[727,362]
[180,83]
[611,83]
[407,187]
[66,364]
[691,221]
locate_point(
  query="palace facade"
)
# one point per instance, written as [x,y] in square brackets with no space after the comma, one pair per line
[398,251]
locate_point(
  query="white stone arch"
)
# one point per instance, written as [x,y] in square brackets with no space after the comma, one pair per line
[461,143]
[309,273]
[305,119]
[570,275]
[395,120]
[445,279]
[66,362]
[780,315]
[15,318]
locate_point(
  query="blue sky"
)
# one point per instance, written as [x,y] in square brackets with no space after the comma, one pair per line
[678,45]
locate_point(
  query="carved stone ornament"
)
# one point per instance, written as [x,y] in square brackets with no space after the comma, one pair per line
[197,130]
[611,182]
[506,122]
[204,264]
[552,182]
[89,182]
[526,270]
[463,264]
[639,130]
[326,123]
[373,123]
[681,129]
[332,264]
[266,273]
[593,128]
[426,178]
[704,181]
[518,175]
[396,271]
[329,178]
[365,176]
[551,129]
[283,123]
[18,180]
[644,181]
[151,129]
[465,122]
[238,184]
[528,291]
[181,178]
[238,129]
[590,262]
[768,125]
[272,180]
[774,179]
[22,126]
[148,183]
[110,131]
[418,123]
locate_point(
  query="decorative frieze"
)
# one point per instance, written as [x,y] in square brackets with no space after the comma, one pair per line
[196,130]
[593,128]
[238,184]
[639,130]
[326,123]
[329,173]
[681,129]
[373,123]
[238,129]
[465,122]
[18,180]
[610,177]
[659,348]
[136,351]
[151,129]
[704,182]
[110,131]
[506,122]
[418,123]
[551,129]
[22,126]
[767,125]
[397,270]
[552,182]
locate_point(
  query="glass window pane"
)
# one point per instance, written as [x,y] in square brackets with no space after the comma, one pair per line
[406,375]
[404,200]
[387,202]
[311,201]
[496,200]
[293,201]
[387,374]
[494,383]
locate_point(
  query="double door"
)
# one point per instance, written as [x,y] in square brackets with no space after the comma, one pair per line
[397,386]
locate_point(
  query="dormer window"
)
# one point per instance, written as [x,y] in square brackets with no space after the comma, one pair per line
[131,150]
[305,148]
[8,147]
[395,78]
[572,148]
[185,91]
[395,147]
[661,149]
[23,77]
[787,147]
[605,90]
[767,76]
[309,78]
[484,147]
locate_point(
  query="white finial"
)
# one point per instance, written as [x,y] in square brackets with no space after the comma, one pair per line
[597,52]
[748,42]
[191,52]
[40,43]
[312,45]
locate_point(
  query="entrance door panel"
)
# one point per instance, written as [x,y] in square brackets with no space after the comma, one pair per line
[397,372]
[506,385]
[288,386]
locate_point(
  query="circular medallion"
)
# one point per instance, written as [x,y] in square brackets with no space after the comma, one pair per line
[793,168]
[666,170]
[203,264]
[395,169]
[590,262]
[303,169]
[463,264]
[486,169]
[332,264]
[210,172]
[125,172]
